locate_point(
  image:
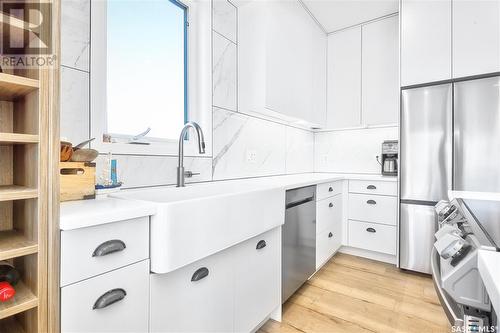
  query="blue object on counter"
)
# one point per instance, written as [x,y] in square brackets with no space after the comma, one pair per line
[114,178]
[101,187]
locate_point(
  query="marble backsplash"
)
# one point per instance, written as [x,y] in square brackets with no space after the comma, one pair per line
[243,145]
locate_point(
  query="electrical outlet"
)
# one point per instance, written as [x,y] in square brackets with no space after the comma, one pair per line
[251,156]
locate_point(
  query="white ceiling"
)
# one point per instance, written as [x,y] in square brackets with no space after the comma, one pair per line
[338,14]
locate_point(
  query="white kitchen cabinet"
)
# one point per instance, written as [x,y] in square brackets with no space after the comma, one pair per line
[374,208]
[329,220]
[373,187]
[476,37]
[425,41]
[230,291]
[380,72]
[281,61]
[195,298]
[372,236]
[113,302]
[328,213]
[344,79]
[87,252]
[257,279]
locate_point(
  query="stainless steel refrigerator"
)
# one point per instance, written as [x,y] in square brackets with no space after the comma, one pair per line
[449,139]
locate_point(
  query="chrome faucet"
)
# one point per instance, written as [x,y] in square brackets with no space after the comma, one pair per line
[201,147]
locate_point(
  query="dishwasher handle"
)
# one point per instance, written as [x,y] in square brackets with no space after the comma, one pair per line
[299,202]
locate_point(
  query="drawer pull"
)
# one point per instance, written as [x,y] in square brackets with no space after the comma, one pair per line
[109,297]
[372,230]
[200,273]
[108,247]
[330,205]
[261,244]
[371,187]
[371,202]
[330,235]
[330,189]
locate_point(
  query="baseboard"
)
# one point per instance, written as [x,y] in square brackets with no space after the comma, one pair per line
[390,259]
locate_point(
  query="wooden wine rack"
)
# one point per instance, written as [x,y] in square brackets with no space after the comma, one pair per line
[26,152]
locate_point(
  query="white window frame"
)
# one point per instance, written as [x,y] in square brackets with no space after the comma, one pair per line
[199,83]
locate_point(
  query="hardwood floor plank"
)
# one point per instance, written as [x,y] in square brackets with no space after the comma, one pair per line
[353,294]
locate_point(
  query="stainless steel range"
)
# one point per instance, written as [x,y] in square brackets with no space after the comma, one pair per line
[454,263]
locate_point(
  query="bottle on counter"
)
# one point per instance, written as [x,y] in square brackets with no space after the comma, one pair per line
[9,277]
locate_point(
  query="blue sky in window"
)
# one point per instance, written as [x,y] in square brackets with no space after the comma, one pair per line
[145,67]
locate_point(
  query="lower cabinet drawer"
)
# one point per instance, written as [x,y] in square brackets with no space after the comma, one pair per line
[195,298]
[372,236]
[113,302]
[373,187]
[257,280]
[373,208]
[327,243]
[328,212]
[326,190]
[92,251]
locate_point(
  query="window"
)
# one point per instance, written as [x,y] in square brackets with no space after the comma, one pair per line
[146,79]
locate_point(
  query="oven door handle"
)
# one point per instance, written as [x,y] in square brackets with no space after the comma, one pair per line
[451,308]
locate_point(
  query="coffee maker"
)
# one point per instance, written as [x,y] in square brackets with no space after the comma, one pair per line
[389,162]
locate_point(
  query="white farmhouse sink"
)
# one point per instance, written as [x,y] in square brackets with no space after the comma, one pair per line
[199,220]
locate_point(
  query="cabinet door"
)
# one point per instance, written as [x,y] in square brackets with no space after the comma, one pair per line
[195,298]
[113,302]
[425,41]
[380,72]
[344,79]
[257,280]
[476,37]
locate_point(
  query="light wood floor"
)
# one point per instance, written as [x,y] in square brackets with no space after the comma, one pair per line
[353,294]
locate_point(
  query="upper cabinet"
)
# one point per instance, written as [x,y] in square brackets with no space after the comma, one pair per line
[476,37]
[344,79]
[446,39]
[380,75]
[425,41]
[363,75]
[281,61]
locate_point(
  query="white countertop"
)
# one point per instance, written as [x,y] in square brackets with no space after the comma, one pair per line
[491,196]
[489,268]
[87,213]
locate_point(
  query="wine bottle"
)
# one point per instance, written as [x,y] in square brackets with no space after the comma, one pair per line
[9,277]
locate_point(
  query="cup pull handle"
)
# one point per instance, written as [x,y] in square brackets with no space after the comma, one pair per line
[330,235]
[108,247]
[372,230]
[200,273]
[371,187]
[330,205]
[371,202]
[330,189]
[109,297]
[261,244]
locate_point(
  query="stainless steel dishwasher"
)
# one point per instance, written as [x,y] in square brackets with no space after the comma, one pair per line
[298,256]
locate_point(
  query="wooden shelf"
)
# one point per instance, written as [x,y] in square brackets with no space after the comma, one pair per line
[16,138]
[23,300]
[11,326]
[15,192]
[14,244]
[14,86]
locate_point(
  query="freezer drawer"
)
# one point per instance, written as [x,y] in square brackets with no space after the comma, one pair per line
[416,237]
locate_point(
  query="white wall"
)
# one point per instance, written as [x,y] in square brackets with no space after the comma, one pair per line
[243,146]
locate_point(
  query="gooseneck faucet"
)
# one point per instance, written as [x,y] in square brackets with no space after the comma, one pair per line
[201,147]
